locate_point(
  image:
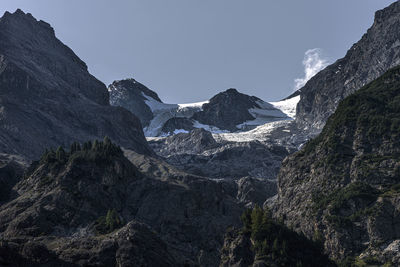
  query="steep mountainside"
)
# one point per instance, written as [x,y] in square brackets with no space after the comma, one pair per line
[376,52]
[344,184]
[92,205]
[263,241]
[11,170]
[48,97]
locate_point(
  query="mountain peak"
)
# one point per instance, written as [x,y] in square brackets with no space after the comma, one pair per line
[20,17]
[231,91]
[132,86]
[376,52]
[387,13]
[64,102]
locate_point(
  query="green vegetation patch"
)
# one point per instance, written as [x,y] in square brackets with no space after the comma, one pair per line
[365,262]
[109,223]
[98,151]
[374,110]
[340,198]
[274,242]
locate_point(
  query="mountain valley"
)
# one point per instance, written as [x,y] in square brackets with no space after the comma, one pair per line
[92,175]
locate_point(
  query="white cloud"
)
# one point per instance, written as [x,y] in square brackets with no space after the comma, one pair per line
[313,63]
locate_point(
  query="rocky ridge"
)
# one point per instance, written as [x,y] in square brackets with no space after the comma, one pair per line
[197,152]
[343,185]
[131,95]
[228,111]
[58,206]
[48,98]
[376,52]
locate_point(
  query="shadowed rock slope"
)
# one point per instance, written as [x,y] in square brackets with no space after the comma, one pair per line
[376,52]
[48,97]
[91,205]
[344,184]
[263,241]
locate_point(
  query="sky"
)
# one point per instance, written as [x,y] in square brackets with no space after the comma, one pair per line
[189,50]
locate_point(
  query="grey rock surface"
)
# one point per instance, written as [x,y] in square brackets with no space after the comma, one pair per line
[48,98]
[129,94]
[177,123]
[12,168]
[197,152]
[228,109]
[376,52]
[343,185]
[56,206]
[132,245]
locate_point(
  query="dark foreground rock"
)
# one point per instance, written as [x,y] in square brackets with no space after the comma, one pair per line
[74,205]
[132,245]
[263,241]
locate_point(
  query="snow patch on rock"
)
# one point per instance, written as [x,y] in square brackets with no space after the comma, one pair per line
[288,106]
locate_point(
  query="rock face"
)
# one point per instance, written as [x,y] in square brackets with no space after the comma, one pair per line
[344,184]
[376,52]
[263,241]
[11,170]
[197,152]
[132,245]
[228,109]
[251,166]
[48,98]
[59,204]
[177,124]
[130,94]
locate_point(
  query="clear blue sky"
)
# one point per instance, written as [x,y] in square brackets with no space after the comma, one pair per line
[188,50]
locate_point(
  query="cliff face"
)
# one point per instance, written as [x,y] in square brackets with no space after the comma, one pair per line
[47,96]
[93,205]
[131,95]
[344,184]
[376,52]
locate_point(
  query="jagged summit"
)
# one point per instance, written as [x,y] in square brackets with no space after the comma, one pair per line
[389,13]
[228,111]
[33,47]
[132,95]
[344,184]
[49,98]
[132,86]
[376,52]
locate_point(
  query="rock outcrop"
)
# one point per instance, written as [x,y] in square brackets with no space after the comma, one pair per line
[263,241]
[197,152]
[376,52]
[131,95]
[132,245]
[230,108]
[228,111]
[48,97]
[62,207]
[344,184]
[12,168]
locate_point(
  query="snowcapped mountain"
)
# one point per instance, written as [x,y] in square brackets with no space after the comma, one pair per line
[226,113]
